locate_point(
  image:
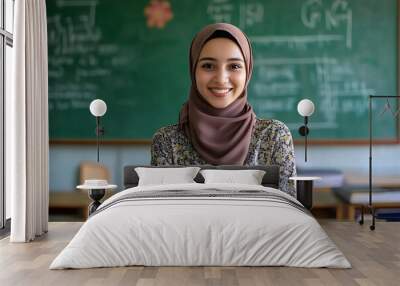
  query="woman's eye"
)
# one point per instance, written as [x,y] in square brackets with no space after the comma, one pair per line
[207,66]
[236,66]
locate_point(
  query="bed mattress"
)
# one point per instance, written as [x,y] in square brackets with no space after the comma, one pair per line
[201,225]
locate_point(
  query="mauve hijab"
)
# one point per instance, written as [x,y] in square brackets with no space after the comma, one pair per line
[220,135]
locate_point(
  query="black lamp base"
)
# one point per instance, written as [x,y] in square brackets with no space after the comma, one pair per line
[96,195]
[305,192]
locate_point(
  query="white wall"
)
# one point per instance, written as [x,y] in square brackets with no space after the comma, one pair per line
[65,160]
[385,158]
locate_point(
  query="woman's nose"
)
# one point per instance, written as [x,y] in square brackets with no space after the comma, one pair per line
[222,76]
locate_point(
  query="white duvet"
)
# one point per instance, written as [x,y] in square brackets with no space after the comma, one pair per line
[219,231]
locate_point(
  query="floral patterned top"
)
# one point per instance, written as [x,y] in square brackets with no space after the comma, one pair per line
[271,144]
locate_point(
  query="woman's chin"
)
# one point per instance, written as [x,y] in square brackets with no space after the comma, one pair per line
[220,103]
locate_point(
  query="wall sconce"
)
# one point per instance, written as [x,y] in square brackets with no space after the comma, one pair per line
[98,108]
[305,108]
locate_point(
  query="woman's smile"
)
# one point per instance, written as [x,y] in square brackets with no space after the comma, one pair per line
[220,91]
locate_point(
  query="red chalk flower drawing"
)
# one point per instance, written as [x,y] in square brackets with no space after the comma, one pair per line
[158,13]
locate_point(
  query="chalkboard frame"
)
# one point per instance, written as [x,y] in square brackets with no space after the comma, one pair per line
[316,142]
[311,141]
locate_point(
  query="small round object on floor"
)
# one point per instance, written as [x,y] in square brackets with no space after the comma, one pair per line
[372,227]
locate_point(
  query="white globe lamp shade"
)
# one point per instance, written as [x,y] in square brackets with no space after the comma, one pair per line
[98,107]
[305,107]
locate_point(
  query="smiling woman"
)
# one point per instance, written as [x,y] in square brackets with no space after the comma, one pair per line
[217,125]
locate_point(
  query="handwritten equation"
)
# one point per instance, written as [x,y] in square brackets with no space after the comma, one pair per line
[332,83]
[79,54]
[280,80]
[331,16]
[250,14]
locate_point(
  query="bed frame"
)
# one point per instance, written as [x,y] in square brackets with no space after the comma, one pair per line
[270,179]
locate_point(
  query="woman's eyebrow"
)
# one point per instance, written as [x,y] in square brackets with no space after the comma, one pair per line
[236,59]
[207,59]
[213,59]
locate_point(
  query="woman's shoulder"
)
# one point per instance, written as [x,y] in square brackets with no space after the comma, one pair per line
[271,125]
[170,131]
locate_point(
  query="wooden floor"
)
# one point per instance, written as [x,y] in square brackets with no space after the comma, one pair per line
[374,255]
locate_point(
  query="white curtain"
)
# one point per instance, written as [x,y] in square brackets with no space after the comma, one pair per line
[27,146]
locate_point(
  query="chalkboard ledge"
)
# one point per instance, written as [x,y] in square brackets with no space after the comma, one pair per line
[102,142]
[296,142]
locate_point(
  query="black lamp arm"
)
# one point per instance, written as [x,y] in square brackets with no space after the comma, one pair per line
[303,130]
[99,131]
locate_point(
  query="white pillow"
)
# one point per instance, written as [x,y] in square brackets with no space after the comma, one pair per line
[248,177]
[164,176]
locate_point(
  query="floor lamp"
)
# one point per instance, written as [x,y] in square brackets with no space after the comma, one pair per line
[370,207]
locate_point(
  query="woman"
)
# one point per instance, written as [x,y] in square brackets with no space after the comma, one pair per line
[217,125]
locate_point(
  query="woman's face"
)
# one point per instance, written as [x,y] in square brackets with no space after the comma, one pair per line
[220,72]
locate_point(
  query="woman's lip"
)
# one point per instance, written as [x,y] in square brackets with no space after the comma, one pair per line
[220,92]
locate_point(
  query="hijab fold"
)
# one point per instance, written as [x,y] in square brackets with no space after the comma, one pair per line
[220,135]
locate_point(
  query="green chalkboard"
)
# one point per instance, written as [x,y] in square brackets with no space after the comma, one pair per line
[334,52]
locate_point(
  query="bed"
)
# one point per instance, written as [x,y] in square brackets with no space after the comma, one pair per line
[201,224]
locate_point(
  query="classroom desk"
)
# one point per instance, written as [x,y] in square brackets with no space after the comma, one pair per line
[359,184]
[327,205]
[392,181]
